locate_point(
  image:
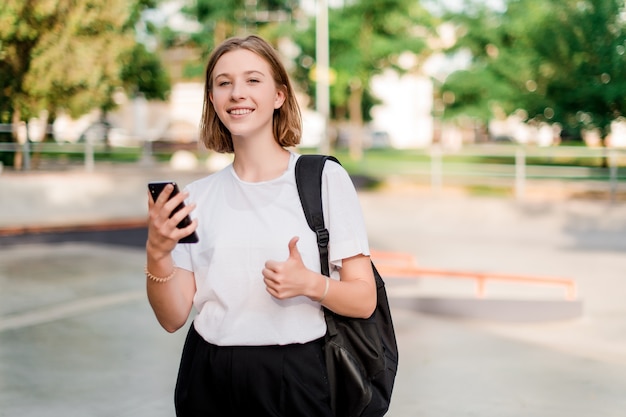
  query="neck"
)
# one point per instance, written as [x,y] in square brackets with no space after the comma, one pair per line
[261,164]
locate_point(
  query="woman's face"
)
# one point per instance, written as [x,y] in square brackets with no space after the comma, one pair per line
[244,94]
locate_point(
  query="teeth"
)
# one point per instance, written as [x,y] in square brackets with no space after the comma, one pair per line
[239,112]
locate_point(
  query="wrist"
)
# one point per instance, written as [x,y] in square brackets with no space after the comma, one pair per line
[326,287]
[154,254]
[320,291]
[159,279]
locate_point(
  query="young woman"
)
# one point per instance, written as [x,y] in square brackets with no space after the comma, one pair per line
[255,345]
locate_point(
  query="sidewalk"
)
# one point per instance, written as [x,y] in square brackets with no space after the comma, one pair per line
[78,338]
[77,197]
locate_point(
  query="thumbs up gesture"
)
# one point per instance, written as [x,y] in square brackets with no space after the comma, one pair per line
[288,278]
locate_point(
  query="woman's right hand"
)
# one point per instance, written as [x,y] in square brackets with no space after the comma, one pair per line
[163,235]
[171,300]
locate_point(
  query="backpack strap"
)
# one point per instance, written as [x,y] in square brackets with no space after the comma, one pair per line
[309,182]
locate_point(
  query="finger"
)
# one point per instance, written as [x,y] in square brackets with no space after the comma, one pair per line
[165,194]
[182,213]
[271,267]
[175,201]
[271,291]
[186,231]
[268,276]
[293,248]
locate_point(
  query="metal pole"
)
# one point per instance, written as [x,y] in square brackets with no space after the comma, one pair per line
[89,153]
[613,174]
[520,173]
[22,138]
[26,155]
[436,169]
[322,87]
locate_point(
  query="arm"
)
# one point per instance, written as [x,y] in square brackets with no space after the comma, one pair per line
[171,301]
[354,295]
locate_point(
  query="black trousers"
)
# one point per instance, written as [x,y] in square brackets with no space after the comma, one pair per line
[256,381]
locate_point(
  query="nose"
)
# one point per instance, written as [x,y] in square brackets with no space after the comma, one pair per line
[238,91]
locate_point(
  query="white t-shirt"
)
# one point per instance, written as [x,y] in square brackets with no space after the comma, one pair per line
[241,226]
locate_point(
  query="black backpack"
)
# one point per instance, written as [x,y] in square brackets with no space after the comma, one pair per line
[361,354]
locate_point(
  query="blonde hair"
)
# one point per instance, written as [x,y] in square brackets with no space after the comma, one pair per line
[287,120]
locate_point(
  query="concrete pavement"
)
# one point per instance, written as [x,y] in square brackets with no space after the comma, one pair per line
[77,337]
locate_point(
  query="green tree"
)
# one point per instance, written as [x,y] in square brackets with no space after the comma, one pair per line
[222,19]
[61,54]
[560,61]
[142,72]
[72,55]
[366,37]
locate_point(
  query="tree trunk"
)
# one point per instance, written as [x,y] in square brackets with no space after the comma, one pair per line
[356,121]
[17,157]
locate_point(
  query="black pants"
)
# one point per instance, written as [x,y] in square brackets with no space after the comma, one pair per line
[256,381]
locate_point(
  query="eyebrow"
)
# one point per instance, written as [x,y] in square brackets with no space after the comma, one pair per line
[250,72]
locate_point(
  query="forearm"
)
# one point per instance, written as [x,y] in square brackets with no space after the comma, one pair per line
[354,298]
[170,297]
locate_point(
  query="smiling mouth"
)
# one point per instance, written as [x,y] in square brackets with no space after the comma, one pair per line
[240,112]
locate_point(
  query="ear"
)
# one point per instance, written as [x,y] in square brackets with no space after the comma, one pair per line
[211,96]
[280,97]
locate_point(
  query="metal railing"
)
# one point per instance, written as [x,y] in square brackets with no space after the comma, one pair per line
[440,167]
[403,265]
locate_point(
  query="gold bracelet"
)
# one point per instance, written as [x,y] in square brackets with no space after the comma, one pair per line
[159,279]
[325,290]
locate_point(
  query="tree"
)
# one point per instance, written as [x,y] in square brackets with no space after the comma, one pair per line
[560,61]
[223,19]
[366,37]
[62,54]
[68,54]
[142,72]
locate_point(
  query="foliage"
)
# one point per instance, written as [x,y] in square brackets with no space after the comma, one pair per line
[143,72]
[223,19]
[63,53]
[560,61]
[365,37]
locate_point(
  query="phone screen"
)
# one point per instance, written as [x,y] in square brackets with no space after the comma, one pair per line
[155,189]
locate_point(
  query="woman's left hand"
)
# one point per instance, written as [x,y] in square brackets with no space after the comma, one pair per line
[289,278]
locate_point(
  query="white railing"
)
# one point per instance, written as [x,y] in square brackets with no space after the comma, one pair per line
[440,167]
[518,174]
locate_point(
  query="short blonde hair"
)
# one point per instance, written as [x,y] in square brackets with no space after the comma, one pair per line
[287,121]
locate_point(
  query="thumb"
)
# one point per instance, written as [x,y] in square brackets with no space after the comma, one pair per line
[293,248]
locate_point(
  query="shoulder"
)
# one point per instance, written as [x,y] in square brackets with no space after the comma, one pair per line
[329,166]
[335,171]
[332,166]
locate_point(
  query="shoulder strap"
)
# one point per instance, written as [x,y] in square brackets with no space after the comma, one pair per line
[309,182]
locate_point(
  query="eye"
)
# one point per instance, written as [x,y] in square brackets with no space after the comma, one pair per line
[223,83]
[254,80]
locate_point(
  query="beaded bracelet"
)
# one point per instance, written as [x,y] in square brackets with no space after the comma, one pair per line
[325,290]
[159,279]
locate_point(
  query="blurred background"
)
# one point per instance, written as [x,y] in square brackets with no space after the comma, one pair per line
[487,141]
[479,91]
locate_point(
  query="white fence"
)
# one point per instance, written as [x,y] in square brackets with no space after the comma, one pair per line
[439,167]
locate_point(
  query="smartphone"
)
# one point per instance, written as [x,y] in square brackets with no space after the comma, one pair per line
[155,189]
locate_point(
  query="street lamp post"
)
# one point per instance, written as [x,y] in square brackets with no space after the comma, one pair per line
[322,88]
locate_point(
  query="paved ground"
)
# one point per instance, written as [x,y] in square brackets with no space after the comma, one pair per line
[77,337]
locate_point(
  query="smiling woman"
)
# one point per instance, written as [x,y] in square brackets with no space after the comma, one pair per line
[249,65]
[245,96]
[254,276]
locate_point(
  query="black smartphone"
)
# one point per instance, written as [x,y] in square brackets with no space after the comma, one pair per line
[155,189]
